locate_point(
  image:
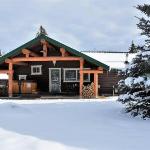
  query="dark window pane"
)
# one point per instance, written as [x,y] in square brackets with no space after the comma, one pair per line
[70,75]
[34,70]
[37,69]
[86,77]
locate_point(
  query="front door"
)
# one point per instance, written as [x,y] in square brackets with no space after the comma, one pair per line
[54,80]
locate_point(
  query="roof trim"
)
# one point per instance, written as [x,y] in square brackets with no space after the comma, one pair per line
[56,43]
[19,49]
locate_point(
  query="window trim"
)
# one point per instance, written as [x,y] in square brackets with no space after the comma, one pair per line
[24,76]
[36,73]
[64,76]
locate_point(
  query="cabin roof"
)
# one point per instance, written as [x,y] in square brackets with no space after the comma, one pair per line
[56,43]
[116,60]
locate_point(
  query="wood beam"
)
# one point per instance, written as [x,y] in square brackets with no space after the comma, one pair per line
[96,84]
[92,71]
[26,59]
[44,42]
[29,53]
[45,46]
[8,61]
[81,76]
[10,80]
[15,63]
[63,51]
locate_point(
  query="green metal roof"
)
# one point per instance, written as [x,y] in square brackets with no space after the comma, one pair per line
[56,43]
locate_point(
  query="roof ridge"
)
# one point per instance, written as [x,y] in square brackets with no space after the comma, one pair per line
[97,51]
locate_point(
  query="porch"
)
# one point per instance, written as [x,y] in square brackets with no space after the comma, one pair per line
[55,80]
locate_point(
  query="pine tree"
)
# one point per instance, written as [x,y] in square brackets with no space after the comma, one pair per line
[135,89]
[144,23]
[133,48]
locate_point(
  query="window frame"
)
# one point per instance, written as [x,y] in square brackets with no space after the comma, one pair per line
[64,74]
[76,69]
[36,73]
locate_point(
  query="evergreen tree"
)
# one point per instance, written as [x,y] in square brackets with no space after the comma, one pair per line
[133,48]
[144,23]
[135,89]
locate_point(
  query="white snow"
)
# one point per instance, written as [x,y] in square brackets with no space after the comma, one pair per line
[147,83]
[3,76]
[129,81]
[146,53]
[124,96]
[70,125]
[138,80]
[114,60]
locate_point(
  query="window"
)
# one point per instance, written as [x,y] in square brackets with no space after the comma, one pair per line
[73,75]
[70,75]
[86,77]
[22,77]
[36,70]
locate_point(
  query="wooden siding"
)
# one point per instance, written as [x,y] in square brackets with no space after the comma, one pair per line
[43,80]
[107,80]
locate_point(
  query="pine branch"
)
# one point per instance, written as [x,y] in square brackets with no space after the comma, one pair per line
[144,25]
[145,9]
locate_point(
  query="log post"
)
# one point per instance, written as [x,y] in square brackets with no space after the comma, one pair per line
[62,50]
[96,84]
[10,80]
[45,45]
[45,50]
[81,76]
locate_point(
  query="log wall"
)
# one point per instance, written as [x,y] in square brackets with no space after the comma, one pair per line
[107,81]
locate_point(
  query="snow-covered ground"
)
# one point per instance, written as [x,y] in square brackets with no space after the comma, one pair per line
[70,125]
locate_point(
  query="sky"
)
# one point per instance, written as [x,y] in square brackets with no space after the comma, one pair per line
[108,25]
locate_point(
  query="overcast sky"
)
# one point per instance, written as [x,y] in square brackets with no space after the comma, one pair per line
[81,24]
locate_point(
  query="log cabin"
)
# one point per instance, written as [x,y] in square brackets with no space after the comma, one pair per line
[44,66]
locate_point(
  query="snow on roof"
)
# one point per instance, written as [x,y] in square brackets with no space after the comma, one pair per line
[4,76]
[114,60]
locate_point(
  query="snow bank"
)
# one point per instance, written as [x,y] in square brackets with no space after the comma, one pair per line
[70,125]
[13,109]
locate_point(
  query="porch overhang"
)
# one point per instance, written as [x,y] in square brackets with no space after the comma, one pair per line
[83,71]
